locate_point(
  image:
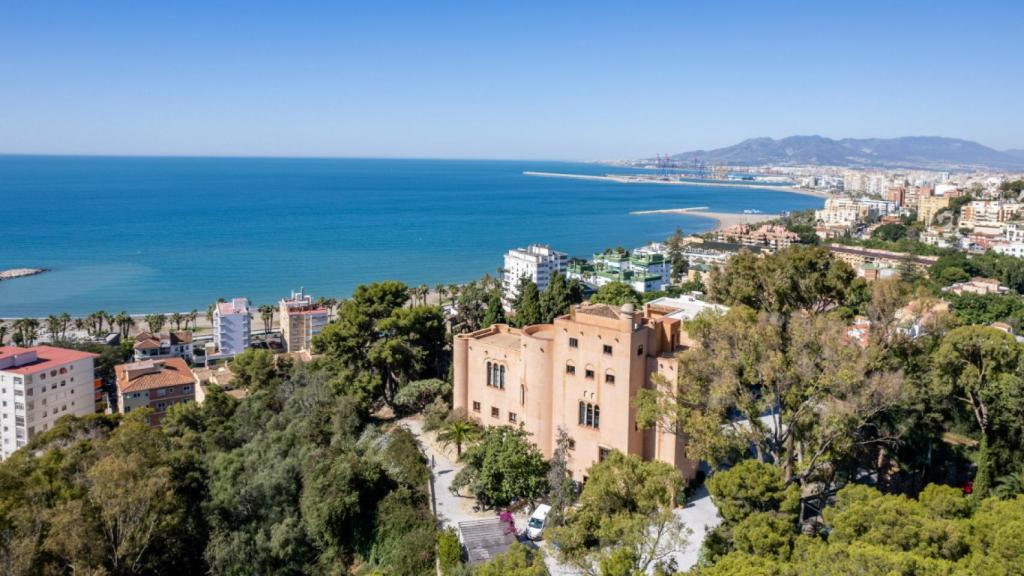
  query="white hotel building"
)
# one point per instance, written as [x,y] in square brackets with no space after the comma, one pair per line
[536,262]
[38,386]
[232,327]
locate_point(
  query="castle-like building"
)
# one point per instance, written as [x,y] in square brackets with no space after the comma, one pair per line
[580,373]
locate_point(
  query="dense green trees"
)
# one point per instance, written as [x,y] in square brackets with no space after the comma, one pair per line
[616,294]
[624,521]
[504,465]
[378,344]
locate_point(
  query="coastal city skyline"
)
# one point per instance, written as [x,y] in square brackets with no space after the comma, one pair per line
[570,81]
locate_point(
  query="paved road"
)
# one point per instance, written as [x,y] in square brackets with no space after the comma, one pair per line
[699,514]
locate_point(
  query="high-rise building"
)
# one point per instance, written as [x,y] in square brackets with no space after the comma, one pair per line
[38,385]
[581,374]
[301,320]
[536,262]
[232,326]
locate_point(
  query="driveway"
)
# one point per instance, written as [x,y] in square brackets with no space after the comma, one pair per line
[700,515]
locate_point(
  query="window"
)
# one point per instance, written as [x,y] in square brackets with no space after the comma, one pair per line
[609,378]
[501,379]
[495,413]
[160,405]
[570,369]
[640,350]
[476,406]
[574,343]
[63,370]
[607,349]
[161,392]
[589,374]
[572,444]
[489,374]
[602,453]
[522,395]
[590,415]
[186,388]
[512,417]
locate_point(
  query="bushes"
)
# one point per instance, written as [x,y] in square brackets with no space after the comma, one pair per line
[449,551]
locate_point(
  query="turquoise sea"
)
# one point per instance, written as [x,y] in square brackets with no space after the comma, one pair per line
[173,234]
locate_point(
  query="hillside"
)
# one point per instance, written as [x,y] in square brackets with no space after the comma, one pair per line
[909,152]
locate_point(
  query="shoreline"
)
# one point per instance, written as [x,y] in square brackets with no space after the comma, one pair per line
[721,219]
[624,179]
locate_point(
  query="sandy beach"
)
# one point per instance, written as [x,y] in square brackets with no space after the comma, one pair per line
[624,179]
[722,219]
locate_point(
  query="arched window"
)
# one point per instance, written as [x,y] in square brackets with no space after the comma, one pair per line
[590,414]
[501,380]
[597,416]
[488,373]
[583,413]
[609,377]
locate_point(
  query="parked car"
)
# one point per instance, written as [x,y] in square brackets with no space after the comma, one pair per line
[539,519]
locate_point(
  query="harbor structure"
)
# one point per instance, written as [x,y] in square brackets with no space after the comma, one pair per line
[38,386]
[301,319]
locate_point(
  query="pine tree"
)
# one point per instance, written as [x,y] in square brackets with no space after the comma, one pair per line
[675,255]
[556,298]
[529,310]
[495,311]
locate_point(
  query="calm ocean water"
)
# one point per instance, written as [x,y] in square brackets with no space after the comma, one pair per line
[166,234]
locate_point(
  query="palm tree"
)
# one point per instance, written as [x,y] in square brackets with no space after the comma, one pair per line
[267,316]
[79,324]
[156,322]
[26,331]
[1010,485]
[177,318]
[3,332]
[193,317]
[53,327]
[65,323]
[111,325]
[459,432]
[124,323]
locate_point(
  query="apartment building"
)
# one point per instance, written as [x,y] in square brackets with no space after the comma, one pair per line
[581,373]
[38,386]
[301,320]
[771,236]
[928,205]
[856,257]
[159,346]
[646,272]
[844,211]
[232,327]
[155,384]
[536,262]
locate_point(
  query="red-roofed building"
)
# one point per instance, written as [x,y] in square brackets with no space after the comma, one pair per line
[38,386]
[156,384]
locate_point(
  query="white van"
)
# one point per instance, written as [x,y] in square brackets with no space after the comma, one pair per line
[539,518]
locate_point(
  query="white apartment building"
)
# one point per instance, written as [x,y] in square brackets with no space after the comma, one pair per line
[843,211]
[301,320]
[536,262]
[38,385]
[1009,248]
[232,326]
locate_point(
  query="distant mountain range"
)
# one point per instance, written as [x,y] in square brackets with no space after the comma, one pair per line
[931,152]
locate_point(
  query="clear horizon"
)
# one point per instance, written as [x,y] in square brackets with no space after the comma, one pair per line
[575,81]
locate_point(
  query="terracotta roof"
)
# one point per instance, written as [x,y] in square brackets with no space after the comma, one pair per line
[47,357]
[147,341]
[603,310]
[153,374]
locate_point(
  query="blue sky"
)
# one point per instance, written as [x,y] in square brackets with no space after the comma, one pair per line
[479,79]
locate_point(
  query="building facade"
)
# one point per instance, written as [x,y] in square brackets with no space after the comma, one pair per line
[647,272]
[155,384]
[536,262]
[581,374]
[232,326]
[301,320]
[38,386]
[159,346]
